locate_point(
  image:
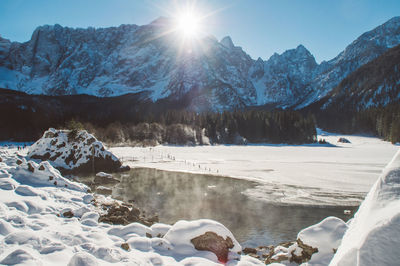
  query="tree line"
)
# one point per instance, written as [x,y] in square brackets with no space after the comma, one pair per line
[381,121]
[190,128]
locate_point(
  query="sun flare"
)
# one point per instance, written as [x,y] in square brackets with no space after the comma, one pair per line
[188,24]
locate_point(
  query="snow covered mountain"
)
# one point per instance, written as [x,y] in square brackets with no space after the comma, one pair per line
[374,84]
[128,59]
[364,49]
[281,78]
[212,75]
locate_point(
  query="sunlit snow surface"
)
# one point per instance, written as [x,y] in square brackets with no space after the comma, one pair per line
[374,234]
[338,174]
[33,231]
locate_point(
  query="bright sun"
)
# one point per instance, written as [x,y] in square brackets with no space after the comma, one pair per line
[188,24]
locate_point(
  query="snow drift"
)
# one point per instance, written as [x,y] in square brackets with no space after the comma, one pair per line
[374,234]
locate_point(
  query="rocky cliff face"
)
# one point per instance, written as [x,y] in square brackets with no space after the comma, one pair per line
[280,79]
[211,75]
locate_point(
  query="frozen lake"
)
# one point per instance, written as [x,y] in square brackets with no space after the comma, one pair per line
[336,175]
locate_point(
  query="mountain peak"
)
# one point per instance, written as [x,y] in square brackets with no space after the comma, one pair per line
[161,21]
[297,53]
[301,47]
[227,42]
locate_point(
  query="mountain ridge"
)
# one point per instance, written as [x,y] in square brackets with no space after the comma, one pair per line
[217,74]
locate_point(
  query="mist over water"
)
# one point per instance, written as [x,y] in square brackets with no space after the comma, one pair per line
[175,196]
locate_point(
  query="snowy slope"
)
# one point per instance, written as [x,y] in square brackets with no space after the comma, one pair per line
[211,75]
[34,231]
[373,84]
[364,49]
[374,233]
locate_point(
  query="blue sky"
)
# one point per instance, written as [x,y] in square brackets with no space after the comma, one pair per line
[261,27]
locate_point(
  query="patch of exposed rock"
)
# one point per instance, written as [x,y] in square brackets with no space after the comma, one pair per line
[343,140]
[124,214]
[210,241]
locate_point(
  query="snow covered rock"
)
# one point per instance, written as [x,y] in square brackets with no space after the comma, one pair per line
[287,253]
[8,184]
[104,178]
[82,259]
[104,190]
[125,214]
[159,229]
[73,152]
[210,241]
[315,245]
[19,257]
[188,238]
[326,237]
[373,236]
[43,174]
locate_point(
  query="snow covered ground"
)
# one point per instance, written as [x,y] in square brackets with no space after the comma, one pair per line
[338,174]
[35,229]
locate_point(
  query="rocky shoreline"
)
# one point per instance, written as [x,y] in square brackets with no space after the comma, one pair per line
[124,213]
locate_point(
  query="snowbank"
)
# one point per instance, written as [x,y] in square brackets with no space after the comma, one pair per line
[373,236]
[71,151]
[53,221]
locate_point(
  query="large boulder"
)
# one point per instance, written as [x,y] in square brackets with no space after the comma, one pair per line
[203,238]
[210,241]
[74,152]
